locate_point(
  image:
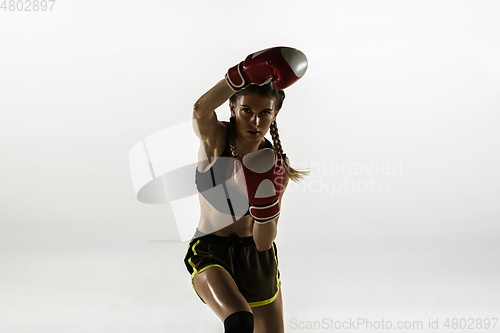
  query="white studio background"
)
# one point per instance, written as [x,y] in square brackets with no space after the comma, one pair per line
[397,117]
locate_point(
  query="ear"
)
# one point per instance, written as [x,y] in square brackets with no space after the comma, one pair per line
[276,114]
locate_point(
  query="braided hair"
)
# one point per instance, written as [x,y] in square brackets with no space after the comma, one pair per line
[279,95]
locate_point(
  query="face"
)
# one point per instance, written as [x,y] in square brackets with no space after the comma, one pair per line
[254,115]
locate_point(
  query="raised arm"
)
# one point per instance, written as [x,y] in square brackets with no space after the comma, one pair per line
[205,123]
[282,65]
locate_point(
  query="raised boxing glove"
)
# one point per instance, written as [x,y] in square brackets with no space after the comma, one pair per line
[263,171]
[283,65]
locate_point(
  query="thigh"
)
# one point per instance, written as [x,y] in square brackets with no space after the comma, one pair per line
[217,288]
[269,318]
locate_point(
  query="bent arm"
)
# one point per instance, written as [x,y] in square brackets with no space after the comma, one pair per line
[213,98]
[264,234]
[204,116]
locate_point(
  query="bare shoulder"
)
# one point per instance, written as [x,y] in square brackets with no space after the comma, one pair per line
[212,146]
[220,138]
[208,128]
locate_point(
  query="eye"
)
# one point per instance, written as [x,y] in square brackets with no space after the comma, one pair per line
[246,110]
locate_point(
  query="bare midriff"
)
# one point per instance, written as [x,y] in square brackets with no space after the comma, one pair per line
[217,223]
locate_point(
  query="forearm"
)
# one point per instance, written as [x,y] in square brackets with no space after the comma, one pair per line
[213,98]
[264,234]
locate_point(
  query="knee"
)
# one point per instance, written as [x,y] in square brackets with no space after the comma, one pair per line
[239,322]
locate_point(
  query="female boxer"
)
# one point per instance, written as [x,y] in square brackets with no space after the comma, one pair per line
[241,178]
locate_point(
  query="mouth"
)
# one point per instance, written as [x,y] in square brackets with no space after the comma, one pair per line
[253,132]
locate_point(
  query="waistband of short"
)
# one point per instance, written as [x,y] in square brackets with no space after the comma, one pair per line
[232,240]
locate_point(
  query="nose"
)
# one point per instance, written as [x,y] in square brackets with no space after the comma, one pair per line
[255,120]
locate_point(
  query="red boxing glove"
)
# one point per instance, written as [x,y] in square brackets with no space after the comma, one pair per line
[283,65]
[263,171]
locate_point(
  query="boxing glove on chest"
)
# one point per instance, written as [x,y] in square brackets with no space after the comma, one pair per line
[263,172]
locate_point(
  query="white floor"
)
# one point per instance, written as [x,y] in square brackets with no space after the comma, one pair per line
[62,282]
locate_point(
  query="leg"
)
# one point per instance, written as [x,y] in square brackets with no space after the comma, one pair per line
[269,318]
[218,289]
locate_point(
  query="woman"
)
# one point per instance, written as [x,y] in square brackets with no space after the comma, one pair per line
[233,258]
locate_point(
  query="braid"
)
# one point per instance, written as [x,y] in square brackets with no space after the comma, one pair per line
[276,137]
[295,175]
[232,136]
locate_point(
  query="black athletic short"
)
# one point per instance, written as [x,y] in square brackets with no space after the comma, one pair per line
[256,273]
